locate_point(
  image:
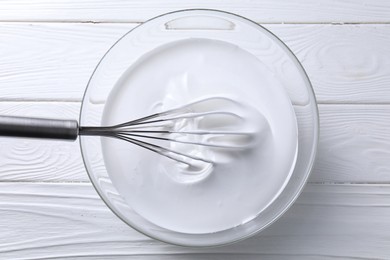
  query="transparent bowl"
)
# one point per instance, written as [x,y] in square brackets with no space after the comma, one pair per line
[208,24]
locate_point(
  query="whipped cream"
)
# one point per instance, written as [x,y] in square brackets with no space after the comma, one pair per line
[238,182]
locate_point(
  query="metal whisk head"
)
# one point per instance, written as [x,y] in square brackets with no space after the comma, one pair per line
[215,123]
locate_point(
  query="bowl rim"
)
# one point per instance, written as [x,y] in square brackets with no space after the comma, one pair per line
[310,163]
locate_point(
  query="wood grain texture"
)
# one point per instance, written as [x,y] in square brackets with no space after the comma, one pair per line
[354,146]
[346,64]
[48,62]
[69,221]
[36,160]
[278,11]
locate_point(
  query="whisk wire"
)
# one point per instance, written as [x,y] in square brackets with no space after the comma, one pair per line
[163,150]
[161,128]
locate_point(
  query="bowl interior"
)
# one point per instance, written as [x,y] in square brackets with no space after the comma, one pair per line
[213,25]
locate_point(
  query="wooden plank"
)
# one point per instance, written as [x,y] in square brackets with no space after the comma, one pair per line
[52,61]
[42,221]
[353,148]
[354,144]
[35,160]
[297,11]
[346,64]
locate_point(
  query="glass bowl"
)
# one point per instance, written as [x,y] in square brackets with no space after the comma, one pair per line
[207,24]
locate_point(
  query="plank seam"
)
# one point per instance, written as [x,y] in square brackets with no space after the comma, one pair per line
[140,22]
[324,183]
[10,100]
[54,100]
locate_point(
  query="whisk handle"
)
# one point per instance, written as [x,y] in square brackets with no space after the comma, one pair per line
[38,128]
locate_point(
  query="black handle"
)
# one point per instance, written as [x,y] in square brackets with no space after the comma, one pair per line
[38,128]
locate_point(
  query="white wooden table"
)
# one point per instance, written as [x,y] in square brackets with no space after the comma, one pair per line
[48,208]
